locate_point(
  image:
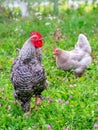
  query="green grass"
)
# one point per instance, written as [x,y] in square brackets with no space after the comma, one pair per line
[70,103]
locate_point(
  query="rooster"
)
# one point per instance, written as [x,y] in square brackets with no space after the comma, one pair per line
[77,59]
[28,75]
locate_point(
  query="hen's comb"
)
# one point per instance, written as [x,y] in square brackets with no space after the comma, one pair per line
[54,50]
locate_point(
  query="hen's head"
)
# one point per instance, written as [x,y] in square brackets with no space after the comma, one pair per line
[36,39]
[56,51]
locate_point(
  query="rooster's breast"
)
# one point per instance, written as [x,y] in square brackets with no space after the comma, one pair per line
[29,76]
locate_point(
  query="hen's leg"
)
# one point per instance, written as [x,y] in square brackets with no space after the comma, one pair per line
[79,71]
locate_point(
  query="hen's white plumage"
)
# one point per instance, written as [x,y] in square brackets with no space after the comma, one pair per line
[77,59]
[83,44]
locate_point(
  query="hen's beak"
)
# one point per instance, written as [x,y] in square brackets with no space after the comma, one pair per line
[54,53]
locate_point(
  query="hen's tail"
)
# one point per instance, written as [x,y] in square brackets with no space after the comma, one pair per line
[83,44]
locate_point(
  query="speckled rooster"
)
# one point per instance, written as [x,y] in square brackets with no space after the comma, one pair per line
[28,75]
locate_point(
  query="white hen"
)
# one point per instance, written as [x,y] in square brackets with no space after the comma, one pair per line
[77,59]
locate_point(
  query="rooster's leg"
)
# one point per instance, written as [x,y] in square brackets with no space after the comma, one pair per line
[27,114]
[26,108]
[38,101]
[15,98]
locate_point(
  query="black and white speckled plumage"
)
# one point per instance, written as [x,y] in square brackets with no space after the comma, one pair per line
[28,75]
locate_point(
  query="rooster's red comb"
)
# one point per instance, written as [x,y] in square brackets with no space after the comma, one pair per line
[37,39]
[36,33]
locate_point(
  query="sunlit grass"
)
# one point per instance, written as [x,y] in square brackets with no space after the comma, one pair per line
[89,8]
